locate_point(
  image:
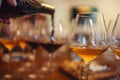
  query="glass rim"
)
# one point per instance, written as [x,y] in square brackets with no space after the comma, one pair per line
[87,13]
[90,13]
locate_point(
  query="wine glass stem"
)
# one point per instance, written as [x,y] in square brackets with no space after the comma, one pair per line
[21,57]
[50,64]
[33,61]
[80,71]
[118,69]
[10,65]
[87,71]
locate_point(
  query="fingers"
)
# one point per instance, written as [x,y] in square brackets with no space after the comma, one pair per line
[5,21]
[12,2]
[0,3]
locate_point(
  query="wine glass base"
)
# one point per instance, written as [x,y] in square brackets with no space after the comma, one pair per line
[48,67]
[34,76]
[8,76]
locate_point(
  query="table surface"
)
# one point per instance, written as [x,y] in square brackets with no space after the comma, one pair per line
[40,60]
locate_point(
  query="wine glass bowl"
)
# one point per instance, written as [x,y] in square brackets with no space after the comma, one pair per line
[87,53]
[52,39]
[88,38]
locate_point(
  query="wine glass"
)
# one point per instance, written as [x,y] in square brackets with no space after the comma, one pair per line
[8,42]
[115,42]
[28,31]
[52,37]
[88,38]
[20,50]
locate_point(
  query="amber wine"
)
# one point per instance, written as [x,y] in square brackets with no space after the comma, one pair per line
[88,54]
[116,51]
[22,44]
[9,44]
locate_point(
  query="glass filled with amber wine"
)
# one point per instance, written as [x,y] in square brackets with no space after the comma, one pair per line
[88,38]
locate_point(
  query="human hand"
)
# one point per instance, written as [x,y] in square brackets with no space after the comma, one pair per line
[11,3]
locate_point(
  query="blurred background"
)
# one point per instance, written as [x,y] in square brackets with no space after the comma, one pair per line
[110,8]
[66,10]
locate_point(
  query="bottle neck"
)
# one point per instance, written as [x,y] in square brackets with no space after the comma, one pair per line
[24,8]
[49,9]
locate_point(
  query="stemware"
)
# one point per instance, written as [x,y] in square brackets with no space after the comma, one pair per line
[52,37]
[28,31]
[88,38]
[115,42]
[8,43]
[20,50]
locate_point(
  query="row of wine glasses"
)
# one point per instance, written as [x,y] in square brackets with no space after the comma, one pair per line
[87,38]
[36,30]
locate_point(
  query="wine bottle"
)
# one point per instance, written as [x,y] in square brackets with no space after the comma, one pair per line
[24,7]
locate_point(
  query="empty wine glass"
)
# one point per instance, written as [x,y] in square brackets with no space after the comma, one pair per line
[115,43]
[88,38]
